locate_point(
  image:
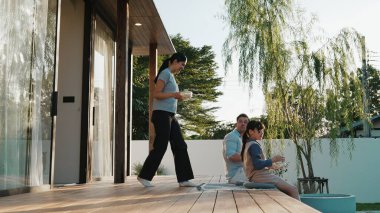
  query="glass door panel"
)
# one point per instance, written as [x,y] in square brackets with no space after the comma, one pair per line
[103,113]
[27,56]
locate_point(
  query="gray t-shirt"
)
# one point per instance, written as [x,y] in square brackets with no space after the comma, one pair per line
[167,104]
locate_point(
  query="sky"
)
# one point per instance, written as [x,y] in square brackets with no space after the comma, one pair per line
[199,21]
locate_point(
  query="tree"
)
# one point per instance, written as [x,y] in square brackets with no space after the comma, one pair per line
[307,92]
[140,97]
[199,77]
[373,90]
[217,131]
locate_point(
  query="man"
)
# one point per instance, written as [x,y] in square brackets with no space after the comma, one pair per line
[232,149]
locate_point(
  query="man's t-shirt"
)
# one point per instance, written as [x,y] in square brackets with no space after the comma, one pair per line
[232,144]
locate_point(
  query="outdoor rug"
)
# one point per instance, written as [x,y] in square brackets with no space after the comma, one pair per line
[235,187]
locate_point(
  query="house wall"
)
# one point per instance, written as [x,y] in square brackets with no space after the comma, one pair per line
[68,126]
[376,124]
[374,133]
[358,176]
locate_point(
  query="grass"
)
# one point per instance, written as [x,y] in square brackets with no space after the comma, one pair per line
[367,206]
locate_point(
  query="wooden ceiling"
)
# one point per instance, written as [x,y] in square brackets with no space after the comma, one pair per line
[151,31]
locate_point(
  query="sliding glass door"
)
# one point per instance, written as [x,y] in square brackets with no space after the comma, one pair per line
[103,101]
[27,56]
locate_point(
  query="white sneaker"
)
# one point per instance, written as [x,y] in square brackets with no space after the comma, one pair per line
[187,184]
[144,182]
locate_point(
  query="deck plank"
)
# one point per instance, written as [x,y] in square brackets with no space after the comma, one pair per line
[266,203]
[289,203]
[205,202]
[225,202]
[123,195]
[163,189]
[164,201]
[245,203]
[142,203]
[185,201]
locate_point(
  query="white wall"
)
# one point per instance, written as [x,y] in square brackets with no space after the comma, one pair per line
[205,156]
[68,124]
[359,176]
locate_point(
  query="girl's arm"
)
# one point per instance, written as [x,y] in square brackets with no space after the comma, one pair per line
[255,152]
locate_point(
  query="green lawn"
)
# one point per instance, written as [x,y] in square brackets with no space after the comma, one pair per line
[367,206]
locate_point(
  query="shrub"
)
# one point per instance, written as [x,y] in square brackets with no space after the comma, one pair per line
[136,168]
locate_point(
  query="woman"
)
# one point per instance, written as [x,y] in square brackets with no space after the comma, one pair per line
[166,95]
[256,166]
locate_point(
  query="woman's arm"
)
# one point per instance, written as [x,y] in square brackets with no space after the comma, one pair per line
[158,94]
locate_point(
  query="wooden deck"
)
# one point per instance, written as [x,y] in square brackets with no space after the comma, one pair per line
[165,196]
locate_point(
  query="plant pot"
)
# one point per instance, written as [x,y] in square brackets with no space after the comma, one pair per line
[331,203]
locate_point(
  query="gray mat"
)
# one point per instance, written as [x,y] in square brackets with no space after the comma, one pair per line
[228,187]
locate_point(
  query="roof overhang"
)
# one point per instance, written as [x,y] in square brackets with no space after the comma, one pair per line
[151,31]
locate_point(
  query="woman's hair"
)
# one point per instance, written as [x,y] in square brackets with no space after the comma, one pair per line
[252,125]
[176,56]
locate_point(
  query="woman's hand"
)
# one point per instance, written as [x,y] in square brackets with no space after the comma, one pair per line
[177,95]
[278,158]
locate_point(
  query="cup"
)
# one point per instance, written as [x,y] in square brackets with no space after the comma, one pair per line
[186,95]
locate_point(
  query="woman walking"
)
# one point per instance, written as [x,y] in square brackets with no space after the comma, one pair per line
[166,95]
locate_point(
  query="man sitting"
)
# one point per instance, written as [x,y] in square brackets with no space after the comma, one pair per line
[231,151]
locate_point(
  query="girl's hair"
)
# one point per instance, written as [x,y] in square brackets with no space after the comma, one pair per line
[252,125]
[176,56]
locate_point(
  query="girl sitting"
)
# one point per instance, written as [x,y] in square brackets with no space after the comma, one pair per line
[256,166]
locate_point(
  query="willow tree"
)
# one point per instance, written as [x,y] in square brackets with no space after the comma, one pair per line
[308,93]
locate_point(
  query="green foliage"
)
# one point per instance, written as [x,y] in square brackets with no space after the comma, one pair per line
[373,90]
[199,76]
[136,168]
[140,97]
[308,93]
[367,206]
[217,132]
[256,34]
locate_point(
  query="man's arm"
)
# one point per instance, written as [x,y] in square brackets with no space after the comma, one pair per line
[235,157]
[231,149]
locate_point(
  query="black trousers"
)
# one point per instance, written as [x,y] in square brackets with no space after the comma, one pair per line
[167,129]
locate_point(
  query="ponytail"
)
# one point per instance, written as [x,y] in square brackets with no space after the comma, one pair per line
[244,140]
[176,56]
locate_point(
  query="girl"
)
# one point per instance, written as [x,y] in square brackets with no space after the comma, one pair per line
[166,126]
[256,166]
